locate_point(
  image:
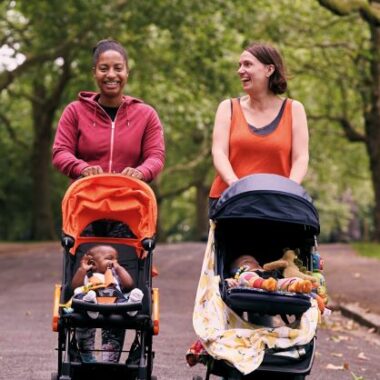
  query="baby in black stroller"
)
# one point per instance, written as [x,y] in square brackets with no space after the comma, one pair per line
[246,271]
[260,214]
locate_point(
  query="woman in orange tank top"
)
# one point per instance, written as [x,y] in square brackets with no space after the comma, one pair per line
[259,132]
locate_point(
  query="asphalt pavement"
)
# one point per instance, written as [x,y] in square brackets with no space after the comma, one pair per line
[353,283]
[28,273]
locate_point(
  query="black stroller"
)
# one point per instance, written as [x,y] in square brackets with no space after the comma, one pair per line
[118,211]
[264,213]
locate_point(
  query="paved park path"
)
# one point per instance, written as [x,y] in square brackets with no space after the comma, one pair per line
[28,273]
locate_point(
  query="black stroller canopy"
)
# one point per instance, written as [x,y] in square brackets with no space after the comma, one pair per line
[267,197]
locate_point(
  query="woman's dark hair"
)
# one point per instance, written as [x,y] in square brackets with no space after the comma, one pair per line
[268,55]
[108,44]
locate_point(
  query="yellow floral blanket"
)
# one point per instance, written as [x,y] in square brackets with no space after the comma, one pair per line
[226,336]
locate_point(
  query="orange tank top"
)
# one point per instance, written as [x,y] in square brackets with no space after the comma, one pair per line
[251,153]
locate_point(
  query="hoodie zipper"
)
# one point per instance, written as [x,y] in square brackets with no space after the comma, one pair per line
[111,145]
[112,138]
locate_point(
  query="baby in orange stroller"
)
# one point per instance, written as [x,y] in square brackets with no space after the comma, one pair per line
[101,275]
[108,236]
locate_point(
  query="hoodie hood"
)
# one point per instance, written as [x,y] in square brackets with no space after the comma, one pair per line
[92,97]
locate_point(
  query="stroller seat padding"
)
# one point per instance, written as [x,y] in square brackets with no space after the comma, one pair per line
[262,302]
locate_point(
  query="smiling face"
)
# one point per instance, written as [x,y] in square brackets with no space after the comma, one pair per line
[111,73]
[254,75]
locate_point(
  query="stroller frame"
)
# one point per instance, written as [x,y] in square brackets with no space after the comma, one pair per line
[139,364]
[258,209]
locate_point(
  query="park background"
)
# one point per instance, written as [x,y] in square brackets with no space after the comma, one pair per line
[183,57]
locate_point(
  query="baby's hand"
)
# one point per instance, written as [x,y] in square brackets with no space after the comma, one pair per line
[86,263]
[232,283]
[114,264]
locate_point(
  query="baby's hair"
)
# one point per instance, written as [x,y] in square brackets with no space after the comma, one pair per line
[93,250]
[108,44]
[234,264]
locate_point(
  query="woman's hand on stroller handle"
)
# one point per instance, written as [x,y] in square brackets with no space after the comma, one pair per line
[132,172]
[91,170]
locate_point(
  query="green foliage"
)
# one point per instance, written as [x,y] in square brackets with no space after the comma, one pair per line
[367,249]
[183,59]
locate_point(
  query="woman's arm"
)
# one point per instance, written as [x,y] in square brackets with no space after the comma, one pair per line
[221,142]
[65,143]
[300,143]
[153,150]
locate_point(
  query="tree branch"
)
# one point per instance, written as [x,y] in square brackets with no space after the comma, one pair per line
[350,132]
[18,95]
[204,152]
[59,88]
[368,12]
[12,134]
[7,77]
[175,192]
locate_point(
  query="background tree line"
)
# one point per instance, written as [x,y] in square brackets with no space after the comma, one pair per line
[183,59]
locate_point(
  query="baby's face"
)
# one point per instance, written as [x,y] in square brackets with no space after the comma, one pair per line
[102,258]
[247,260]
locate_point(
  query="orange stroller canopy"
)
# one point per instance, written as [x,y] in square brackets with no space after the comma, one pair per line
[113,197]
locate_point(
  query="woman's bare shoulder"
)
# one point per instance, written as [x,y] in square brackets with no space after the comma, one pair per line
[225,103]
[297,106]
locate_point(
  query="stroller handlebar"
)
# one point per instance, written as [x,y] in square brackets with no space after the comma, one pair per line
[105,308]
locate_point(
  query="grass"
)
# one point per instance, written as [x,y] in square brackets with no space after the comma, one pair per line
[367,249]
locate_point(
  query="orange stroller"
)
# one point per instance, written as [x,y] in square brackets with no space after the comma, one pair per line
[121,212]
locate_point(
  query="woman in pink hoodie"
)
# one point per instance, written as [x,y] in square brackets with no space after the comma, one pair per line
[109,132]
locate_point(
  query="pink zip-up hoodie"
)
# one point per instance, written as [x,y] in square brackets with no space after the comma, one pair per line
[87,136]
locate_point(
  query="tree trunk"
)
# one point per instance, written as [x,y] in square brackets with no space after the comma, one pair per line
[372,125]
[42,218]
[201,227]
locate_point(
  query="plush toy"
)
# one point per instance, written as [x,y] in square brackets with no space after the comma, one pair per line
[253,280]
[294,285]
[322,292]
[196,354]
[300,266]
[289,267]
[288,263]
[320,278]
